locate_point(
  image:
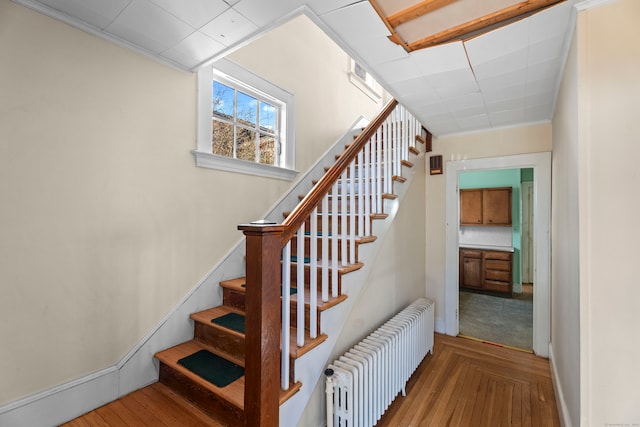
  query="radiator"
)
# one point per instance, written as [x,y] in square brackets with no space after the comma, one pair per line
[362,383]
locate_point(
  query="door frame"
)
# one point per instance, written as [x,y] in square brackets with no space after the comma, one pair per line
[526,256]
[541,164]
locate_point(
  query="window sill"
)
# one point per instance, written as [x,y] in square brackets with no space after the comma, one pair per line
[213,161]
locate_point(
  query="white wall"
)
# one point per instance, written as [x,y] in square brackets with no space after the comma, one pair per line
[565,249]
[105,222]
[609,125]
[495,143]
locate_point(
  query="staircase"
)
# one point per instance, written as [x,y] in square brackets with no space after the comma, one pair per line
[294,273]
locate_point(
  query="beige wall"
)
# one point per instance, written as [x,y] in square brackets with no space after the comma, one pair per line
[609,90]
[105,222]
[495,143]
[565,249]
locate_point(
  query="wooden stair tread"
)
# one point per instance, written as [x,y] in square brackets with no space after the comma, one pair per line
[414,150]
[399,178]
[235,284]
[205,317]
[232,393]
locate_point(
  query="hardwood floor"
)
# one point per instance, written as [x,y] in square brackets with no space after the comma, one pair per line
[155,405]
[469,383]
[465,383]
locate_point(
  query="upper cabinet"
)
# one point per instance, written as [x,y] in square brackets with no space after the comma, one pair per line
[485,206]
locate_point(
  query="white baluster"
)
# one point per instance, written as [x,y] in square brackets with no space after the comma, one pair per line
[300,288]
[313,275]
[325,248]
[344,217]
[367,188]
[352,213]
[360,192]
[334,239]
[286,313]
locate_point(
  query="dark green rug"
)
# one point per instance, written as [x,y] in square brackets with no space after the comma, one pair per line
[215,369]
[233,321]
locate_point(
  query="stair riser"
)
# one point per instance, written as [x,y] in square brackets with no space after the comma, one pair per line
[239,303]
[226,342]
[216,407]
[307,248]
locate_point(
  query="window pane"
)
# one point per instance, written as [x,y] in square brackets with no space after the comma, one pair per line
[247,109]
[222,138]
[267,117]
[222,101]
[267,149]
[246,144]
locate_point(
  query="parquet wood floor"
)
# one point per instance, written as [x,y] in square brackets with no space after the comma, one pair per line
[468,383]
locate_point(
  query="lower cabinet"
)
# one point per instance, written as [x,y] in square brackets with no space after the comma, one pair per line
[486,270]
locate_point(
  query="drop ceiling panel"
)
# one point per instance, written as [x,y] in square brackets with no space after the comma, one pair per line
[499,81]
[193,50]
[439,59]
[196,13]
[498,43]
[473,123]
[98,13]
[399,70]
[263,13]
[229,28]
[378,50]
[320,7]
[147,25]
[356,22]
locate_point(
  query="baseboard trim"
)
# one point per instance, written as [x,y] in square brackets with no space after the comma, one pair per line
[563,410]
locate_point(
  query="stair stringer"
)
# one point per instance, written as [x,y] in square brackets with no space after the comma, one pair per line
[309,369]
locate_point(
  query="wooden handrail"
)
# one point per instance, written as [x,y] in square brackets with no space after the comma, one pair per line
[300,214]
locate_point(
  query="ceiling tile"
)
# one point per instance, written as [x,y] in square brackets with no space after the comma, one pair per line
[544,70]
[504,118]
[98,13]
[264,13]
[517,77]
[481,121]
[356,22]
[516,60]
[472,100]
[499,42]
[194,50]
[461,113]
[439,59]
[505,105]
[538,113]
[551,22]
[320,7]
[546,49]
[149,26]
[378,50]
[504,93]
[399,70]
[194,12]
[229,28]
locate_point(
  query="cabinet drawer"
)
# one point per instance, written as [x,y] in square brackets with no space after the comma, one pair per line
[500,275]
[506,256]
[493,285]
[470,253]
[496,264]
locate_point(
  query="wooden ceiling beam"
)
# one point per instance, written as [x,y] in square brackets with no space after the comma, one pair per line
[511,12]
[416,11]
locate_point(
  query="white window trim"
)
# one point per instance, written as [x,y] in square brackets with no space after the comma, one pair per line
[373,91]
[203,155]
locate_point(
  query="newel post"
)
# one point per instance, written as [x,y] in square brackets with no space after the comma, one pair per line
[263,324]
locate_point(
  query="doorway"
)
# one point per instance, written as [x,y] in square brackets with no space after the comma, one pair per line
[504,318]
[541,165]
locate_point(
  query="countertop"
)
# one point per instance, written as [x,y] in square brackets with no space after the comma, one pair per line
[486,247]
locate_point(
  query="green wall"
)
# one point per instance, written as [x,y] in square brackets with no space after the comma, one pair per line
[503,178]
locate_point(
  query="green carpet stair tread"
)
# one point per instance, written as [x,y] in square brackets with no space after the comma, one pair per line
[213,368]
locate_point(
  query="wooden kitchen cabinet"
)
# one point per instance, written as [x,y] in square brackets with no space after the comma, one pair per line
[486,270]
[471,268]
[485,206]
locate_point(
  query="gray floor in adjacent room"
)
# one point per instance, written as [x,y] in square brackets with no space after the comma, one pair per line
[502,320]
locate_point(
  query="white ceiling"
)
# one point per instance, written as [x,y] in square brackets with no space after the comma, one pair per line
[506,77]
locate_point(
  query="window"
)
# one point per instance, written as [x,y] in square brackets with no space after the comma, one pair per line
[364,81]
[245,124]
